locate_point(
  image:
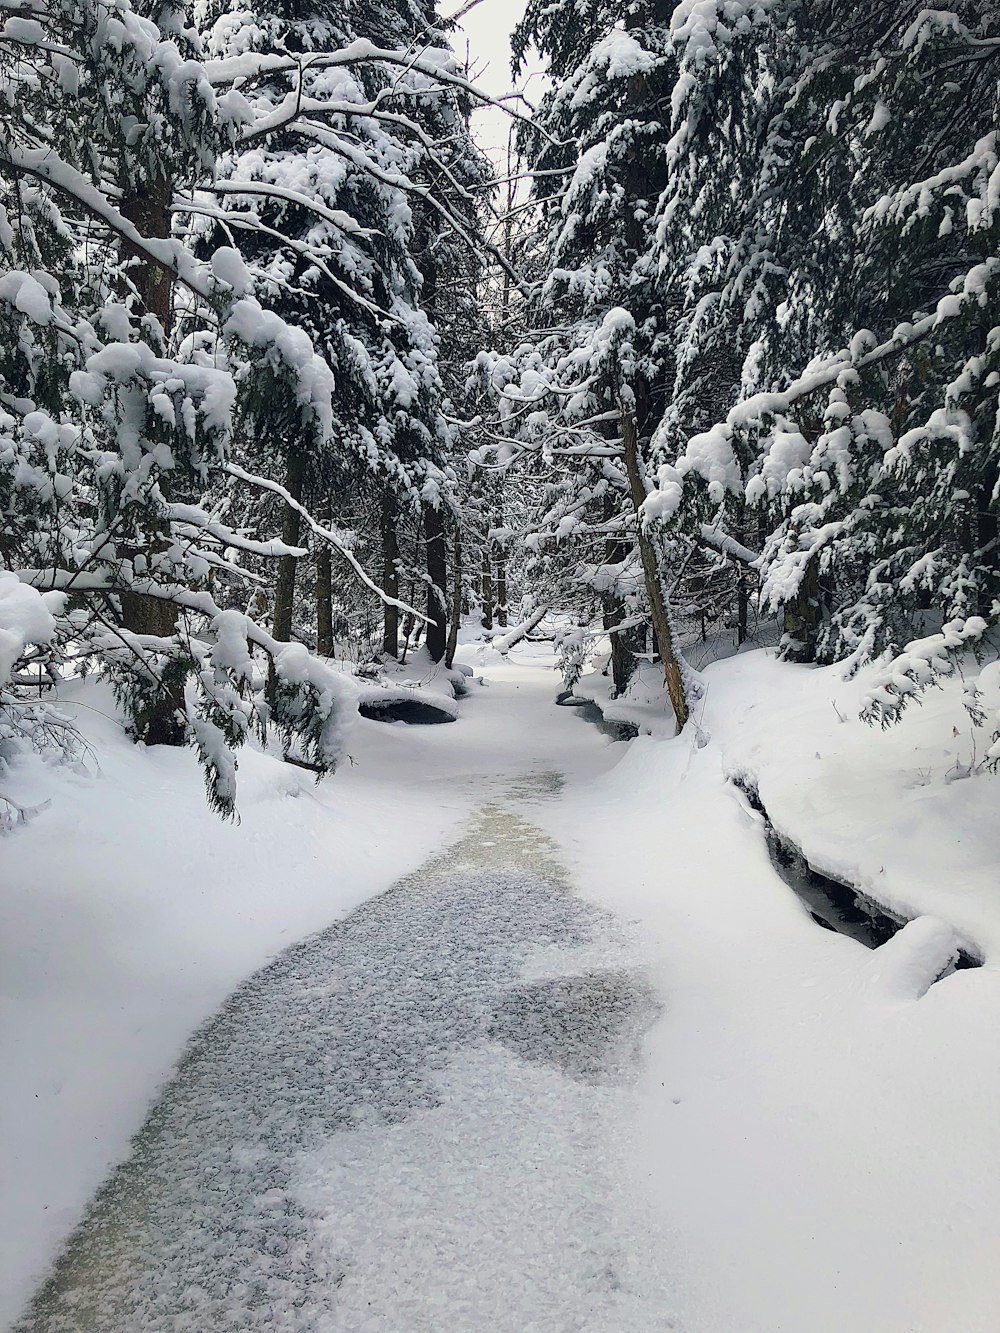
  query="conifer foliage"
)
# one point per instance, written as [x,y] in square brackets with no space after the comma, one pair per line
[746,348]
[765,324]
[208,292]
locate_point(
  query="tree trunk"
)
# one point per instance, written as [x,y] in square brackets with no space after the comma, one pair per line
[291,525]
[801,617]
[987,532]
[502,587]
[163,722]
[149,212]
[500,548]
[324,587]
[409,621]
[456,605]
[742,607]
[624,643]
[390,574]
[487,594]
[437,573]
[659,611]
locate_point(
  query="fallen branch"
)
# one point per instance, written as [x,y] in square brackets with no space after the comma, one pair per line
[503,643]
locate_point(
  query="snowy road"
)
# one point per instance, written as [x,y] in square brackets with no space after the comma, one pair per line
[409,1121]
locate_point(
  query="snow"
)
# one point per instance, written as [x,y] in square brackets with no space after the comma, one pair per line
[27,295]
[483,1100]
[25,619]
[124,927]
[817,1137]
[229,268]
[879,809]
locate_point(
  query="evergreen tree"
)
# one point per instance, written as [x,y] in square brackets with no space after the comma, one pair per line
[135,372]
[870,474]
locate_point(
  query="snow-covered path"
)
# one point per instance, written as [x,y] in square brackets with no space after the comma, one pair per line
[592,1067]
[412,1120]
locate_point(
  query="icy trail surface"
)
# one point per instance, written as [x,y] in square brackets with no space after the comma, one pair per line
[409,1121]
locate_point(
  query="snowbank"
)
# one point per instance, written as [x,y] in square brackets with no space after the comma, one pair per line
[907,814]
[818,1126]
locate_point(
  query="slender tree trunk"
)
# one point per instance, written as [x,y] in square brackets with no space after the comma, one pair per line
[487,593]
[659,611]
[390,574]
[163,722]
[324,587]
[456,605]
[987,531]
[407,631]
[624,644]
[742,607]
[437,591]
[502,586]
[291,526]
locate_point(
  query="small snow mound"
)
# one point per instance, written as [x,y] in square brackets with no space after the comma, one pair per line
[909,964]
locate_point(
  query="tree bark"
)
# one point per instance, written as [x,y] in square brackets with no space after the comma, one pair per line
[456,605]
[659,611]
[487,593]
[390,574]
[324,587]
[801,618]
[149,212]
[291,525]
[502,587]
[163,722]
[625,643]
[437,573]
[742,608]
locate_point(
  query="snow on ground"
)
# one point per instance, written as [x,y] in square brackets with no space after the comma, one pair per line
[387,1125]
[812,1138]
[820,1134]
[895,812]
[128,912]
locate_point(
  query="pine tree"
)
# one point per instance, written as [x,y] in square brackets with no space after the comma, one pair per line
[856,423]
[589,376]
[135,370]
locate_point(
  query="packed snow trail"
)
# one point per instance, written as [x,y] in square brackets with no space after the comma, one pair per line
[409,1121]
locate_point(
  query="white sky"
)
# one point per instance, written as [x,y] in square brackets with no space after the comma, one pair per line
[487,30]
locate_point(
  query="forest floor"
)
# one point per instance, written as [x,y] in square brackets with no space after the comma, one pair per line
[523,1031]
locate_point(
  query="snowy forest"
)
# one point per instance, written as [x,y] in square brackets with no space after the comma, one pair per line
[655,451]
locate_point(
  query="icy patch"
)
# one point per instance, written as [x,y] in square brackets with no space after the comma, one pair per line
[589,1026]
[387,1128]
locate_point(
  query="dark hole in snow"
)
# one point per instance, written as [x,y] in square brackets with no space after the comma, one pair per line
[618,731]
[567,699]
[831,904]
[413,711]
